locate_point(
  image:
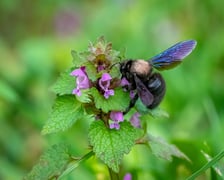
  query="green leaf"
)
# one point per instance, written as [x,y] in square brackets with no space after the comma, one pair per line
[79,58]
[115,71]
[122,53]
[160,148]
[65,112]
[64,84]
[110,145]
[85,96]
[157,112]
[118,102]
[91,71]
[51,164]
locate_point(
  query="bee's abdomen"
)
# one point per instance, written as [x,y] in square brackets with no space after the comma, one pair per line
[157,87]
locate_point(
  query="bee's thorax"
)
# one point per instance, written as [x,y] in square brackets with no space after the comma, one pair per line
[141,67]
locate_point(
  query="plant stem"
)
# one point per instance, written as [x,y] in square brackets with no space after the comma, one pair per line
[75,163]
[207,165]
[113,175]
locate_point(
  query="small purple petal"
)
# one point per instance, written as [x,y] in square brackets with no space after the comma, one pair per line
[104,81]
[132,94]
[79,72]
[77,92]
[106,77]
[76,72]
[100,68]
[114,125]
[82,81]
[124,82]
[135,121]
[104,84]
[83,68]
[108,93]
[128,176]
[116,116]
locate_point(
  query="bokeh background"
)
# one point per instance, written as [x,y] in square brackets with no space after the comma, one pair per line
[36,38]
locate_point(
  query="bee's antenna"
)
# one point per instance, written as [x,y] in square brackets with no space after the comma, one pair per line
[114,65]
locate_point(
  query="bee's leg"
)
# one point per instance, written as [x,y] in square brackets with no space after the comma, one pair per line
[132,103]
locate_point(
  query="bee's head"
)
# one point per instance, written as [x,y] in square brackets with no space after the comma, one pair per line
[125,69]
[125,66]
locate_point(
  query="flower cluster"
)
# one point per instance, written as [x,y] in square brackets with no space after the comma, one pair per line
[95,72]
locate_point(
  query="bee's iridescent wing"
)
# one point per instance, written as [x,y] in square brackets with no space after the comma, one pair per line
[144,94]
[173,56]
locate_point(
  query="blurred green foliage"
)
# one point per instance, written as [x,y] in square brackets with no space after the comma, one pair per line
[36,38]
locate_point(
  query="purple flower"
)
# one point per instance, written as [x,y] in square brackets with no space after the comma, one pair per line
[127,176]
[124,82]
[104,83]
[116,117]
[114,125]
[132,94]
[100,68]
[82,80]
[135,121]
[126,85]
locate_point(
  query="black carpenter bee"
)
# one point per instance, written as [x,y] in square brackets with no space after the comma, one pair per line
[150,86]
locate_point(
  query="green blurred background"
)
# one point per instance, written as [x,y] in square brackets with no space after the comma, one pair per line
[36,38]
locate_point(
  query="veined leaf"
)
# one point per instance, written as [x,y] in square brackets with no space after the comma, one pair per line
[118,102]
[65,112]
[51,164]
[79,58]
[85,96]
[157,112]
[91,70]
[64,84]
[110,145]
[160,148]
